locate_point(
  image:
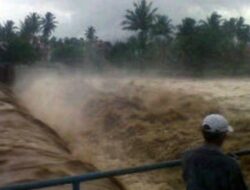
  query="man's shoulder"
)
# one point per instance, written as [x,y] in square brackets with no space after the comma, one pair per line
[202,150]
[210,154]
[207,164]
[205,151]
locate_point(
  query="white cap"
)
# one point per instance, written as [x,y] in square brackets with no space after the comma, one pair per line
[216,123]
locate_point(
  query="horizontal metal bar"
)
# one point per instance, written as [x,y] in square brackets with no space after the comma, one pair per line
[91,176]
[242,153]
[99,175]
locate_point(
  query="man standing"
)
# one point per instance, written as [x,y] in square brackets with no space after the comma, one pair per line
[207,167]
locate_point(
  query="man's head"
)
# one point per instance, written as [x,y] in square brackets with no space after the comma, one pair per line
[215,128]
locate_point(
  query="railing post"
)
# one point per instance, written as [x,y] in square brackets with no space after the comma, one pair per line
[76,186]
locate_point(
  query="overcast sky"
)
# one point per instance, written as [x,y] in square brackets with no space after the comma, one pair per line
[74,16]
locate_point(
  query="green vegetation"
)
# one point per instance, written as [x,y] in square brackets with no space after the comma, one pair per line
[215,45]
[28,43]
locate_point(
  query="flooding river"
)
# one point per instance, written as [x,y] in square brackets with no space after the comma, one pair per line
[112,122]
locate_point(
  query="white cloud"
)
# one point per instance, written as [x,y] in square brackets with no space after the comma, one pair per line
[75,16]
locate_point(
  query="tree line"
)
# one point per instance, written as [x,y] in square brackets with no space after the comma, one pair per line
[197,46]
[30,41]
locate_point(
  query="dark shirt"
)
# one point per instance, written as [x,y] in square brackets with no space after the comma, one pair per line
[207,168]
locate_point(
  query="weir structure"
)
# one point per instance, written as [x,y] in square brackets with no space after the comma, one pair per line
[76,181]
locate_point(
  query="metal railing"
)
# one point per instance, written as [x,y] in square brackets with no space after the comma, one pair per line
[75,181]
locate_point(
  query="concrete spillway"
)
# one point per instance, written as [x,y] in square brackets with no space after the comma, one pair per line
[30,150]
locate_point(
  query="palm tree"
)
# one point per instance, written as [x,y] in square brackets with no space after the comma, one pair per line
[49,24]
[237,32]
[90,34]
[31,26]
[187,27]
[213,22]
[10,27]
[187,33]
[162,27]
[7,31]
[212,36]
[160,38]
[1,32]
[91,46]
[229,29]
[140,19]
[229,26]
[242,31]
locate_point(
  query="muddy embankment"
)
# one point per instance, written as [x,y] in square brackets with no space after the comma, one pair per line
[116,123]
[30,150]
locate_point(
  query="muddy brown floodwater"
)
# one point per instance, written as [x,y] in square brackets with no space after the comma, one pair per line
[31,150]
[122,122]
